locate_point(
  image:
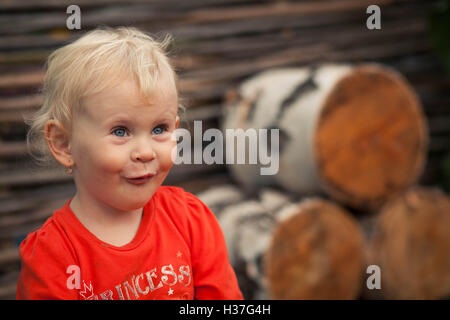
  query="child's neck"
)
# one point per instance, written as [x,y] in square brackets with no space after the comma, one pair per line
[112,226]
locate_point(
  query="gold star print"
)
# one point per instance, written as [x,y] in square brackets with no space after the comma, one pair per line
[170,291]
[179,254]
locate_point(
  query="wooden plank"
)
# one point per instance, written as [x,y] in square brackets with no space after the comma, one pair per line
[277,9]
[21,102]
[111,16]
[141,14]
[12,116]
[32,78]
[13,149]
[19,232]
[439,144]
[32,41]
[299,56]
[37,215]
[114,15]
[35,197]
[8,292]
[439,125]
[220,30]
[8,255]
[35,79]
[29,177]
[63,4]
[261,42]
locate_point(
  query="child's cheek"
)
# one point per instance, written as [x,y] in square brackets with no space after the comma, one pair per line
[110,159]
[116,162]
[165,155]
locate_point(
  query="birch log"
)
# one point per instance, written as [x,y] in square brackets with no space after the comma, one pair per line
[357,132]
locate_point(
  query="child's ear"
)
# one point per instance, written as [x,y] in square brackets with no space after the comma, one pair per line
[177,123]
[58,142]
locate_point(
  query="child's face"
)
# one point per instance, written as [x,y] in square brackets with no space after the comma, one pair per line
[119,136]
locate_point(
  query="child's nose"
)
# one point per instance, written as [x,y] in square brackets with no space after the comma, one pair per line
[143,152]
[143,156]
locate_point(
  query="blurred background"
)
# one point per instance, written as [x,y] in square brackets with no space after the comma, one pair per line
[218,45]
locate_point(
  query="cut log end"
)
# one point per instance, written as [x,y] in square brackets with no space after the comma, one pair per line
[411,245]
[316,253]
[371,138]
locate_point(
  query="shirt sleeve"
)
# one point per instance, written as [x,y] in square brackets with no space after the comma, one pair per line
[43,268]
[214,277]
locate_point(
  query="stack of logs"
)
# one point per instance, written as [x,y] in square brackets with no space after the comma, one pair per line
[354,141]
[218,43]
[284,246]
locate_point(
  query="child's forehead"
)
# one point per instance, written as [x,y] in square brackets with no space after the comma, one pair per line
[127,93]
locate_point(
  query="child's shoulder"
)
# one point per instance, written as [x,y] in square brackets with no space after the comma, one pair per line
[43,231]
[189,214]
[50,238]
[178,200]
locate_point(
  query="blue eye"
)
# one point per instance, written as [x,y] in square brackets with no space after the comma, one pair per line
[159,129]
[120,132]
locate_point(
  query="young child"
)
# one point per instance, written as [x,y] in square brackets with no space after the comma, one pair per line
[109,114]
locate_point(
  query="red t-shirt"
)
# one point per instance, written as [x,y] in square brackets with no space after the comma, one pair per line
[179,252]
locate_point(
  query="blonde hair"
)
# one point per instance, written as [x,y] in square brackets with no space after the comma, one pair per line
[98,59]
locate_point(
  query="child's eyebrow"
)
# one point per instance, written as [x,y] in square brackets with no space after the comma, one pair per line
[127,120]
[118,118]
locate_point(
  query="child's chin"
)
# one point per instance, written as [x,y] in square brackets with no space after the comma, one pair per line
[134,204]
[129,201]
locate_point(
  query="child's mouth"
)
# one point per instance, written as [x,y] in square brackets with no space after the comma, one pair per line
[140,180]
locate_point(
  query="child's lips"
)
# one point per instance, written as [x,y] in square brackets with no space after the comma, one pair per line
[141,179]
